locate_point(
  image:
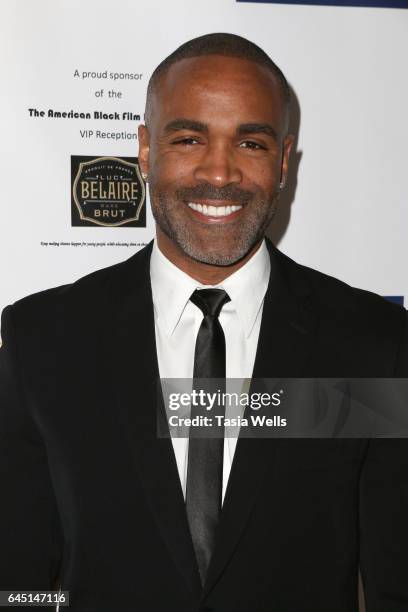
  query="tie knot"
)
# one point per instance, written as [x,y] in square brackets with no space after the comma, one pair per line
[210,301]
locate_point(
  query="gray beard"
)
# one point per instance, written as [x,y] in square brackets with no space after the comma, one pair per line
[246,236]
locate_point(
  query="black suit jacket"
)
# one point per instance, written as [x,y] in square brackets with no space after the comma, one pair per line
[92,496]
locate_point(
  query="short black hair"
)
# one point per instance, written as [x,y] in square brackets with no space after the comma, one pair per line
[220,43]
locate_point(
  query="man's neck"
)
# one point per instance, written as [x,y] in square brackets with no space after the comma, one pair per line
[205,274]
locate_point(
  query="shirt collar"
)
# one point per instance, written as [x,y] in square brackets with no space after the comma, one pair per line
[172,288]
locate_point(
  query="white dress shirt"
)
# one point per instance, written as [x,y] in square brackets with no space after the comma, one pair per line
[177,321]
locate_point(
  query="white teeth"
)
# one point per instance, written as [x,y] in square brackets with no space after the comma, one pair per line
[213,211]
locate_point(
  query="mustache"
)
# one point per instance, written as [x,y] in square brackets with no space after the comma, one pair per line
[205,191]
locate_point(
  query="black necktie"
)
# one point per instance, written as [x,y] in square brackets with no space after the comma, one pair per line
[205,454]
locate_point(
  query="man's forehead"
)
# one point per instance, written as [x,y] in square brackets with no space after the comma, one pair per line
[198,71]
[217,82]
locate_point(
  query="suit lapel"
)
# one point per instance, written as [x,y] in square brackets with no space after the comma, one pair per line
[137,376]
[286,346]
[285,349]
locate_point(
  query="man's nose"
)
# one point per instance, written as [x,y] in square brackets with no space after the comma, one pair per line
[218,166]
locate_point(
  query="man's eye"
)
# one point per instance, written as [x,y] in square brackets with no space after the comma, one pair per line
[250,144]
[186,141]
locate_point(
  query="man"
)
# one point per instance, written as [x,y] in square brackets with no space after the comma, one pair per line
[125,520]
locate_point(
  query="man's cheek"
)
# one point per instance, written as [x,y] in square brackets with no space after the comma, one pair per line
[171,179]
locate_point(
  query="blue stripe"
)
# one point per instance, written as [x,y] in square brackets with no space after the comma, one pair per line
[397,299]
[401,4]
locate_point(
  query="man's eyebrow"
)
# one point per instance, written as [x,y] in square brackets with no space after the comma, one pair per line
[185,124]
[257,128]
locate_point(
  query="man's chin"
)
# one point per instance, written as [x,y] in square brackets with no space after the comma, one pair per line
[213,256]
[213,248]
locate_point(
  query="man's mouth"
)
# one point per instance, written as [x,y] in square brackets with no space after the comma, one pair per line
[216,211]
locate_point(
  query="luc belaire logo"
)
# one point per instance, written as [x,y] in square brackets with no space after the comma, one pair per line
[107,191]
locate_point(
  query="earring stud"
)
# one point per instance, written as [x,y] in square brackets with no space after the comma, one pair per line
[144,176]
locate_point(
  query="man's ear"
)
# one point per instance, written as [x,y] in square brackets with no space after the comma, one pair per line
[144,148]
[286,149]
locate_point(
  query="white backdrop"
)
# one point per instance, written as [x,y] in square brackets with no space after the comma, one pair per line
[347,67]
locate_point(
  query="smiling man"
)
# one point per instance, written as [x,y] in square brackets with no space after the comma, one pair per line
[94,500]
[216,150]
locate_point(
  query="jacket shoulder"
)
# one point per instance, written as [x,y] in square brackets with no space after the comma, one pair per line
[333,291]
[335,300]
[93,287]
